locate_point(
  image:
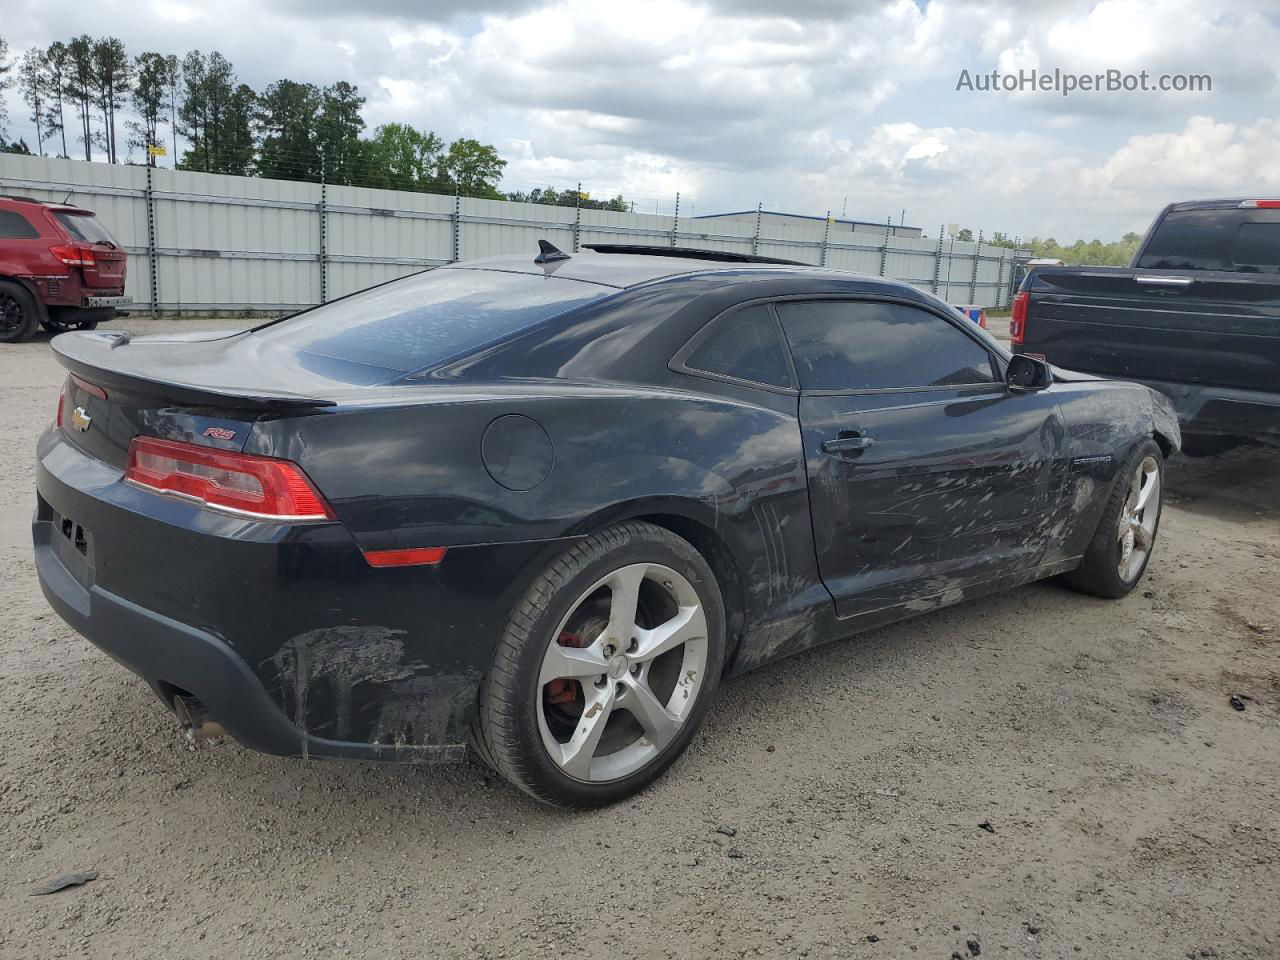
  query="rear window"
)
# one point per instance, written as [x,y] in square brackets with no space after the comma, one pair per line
[85,227]
[428,318]
[1234,240]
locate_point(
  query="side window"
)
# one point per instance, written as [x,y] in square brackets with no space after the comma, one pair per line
[847,345]
[743,345]
[14,226]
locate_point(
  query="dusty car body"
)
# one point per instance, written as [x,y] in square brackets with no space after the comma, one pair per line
[298,640]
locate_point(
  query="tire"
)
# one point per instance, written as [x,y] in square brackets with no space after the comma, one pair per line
[658,682]
[1110,567]
[19,313]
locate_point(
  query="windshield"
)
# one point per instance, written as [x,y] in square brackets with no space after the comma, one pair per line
[85,227]
[430,317]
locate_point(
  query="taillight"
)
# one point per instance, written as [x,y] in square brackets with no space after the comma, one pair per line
[1261,204]
[1018,317]
[74,254]
[239,483]
[62,398]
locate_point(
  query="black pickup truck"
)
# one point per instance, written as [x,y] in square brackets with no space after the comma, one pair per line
[1195,316]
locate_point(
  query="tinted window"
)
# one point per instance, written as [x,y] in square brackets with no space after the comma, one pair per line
[430,317]
[15,226]
[871,346]
[1244,241]
[85,227]
[744,345]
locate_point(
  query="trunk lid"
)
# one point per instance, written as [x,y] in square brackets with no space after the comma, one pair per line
[191,387]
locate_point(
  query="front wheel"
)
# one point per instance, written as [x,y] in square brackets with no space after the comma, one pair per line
[1118,555]
[606,670]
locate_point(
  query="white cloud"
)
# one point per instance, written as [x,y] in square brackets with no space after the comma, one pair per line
[797,104]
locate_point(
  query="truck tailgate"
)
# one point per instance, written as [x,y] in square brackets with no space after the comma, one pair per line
[1204,328]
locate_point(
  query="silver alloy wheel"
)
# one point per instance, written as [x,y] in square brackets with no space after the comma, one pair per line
[1138,519]
[612,674]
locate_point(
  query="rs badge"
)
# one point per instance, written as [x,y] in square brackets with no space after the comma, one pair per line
[80,419]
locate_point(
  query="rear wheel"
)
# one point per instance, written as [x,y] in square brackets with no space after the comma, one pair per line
[18,312]
[606,669]
[1121,548]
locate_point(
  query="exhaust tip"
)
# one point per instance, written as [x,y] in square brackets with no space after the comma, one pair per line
[195,719]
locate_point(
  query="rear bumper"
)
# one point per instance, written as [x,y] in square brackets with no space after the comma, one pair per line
[1224,411]
[287,636]
[169,654]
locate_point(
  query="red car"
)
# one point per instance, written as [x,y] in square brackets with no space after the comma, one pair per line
[59,267]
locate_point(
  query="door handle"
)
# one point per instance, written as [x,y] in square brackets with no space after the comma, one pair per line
[1162,281]
[849,441]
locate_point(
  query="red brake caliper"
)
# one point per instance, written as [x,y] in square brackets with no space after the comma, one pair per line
[562,689]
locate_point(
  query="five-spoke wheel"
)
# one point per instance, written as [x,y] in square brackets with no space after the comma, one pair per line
[607,668]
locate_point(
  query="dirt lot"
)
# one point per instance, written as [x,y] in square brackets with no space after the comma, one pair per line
[1134,812]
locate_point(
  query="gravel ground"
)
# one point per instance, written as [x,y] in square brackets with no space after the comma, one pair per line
[1133,812]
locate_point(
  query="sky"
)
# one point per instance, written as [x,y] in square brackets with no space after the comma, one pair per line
[802,105]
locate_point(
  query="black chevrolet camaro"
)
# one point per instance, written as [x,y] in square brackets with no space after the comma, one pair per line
[543,505]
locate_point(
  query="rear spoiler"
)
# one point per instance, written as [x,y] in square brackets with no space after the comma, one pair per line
[91,356]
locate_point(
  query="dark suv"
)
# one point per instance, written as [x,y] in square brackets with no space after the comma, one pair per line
[59,267]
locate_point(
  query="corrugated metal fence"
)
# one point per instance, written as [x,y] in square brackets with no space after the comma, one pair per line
[207,243]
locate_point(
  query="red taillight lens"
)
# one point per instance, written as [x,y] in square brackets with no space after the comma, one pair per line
[1261,204]
[250,486]
[62,398]
[1018,317]
[74,254]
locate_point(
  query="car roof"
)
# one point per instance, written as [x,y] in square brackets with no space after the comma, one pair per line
[624,270]
[48,204]
[1225,203]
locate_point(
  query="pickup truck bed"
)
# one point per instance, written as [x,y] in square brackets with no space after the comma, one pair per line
[1209,339]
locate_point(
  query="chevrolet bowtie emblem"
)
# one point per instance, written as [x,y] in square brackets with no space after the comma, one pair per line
[80,419]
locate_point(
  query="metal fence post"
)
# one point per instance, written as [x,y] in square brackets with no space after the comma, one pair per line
[1013,269]
[151,245]
[826,234]
[1000,279]
[973,280]
[937,259]
[951,262]
[457,224]
[884,249]
[324,236]
[755,241]
[577,217]
[675,223]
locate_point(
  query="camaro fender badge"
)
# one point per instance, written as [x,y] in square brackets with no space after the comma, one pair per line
[220,433]
[80,419]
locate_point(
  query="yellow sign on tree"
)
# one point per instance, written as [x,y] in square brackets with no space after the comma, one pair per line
[155,150]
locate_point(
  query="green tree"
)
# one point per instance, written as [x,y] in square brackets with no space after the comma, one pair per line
[215,116]
[965,235]
[112,79]
[569,198]
[33,80]
[79,87]
[399,157]
[6,81]
[338,129]
[287,119]
[151,99]
[473,168]
[56,58]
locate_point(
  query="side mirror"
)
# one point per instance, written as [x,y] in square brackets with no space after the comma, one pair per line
[1026,374]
